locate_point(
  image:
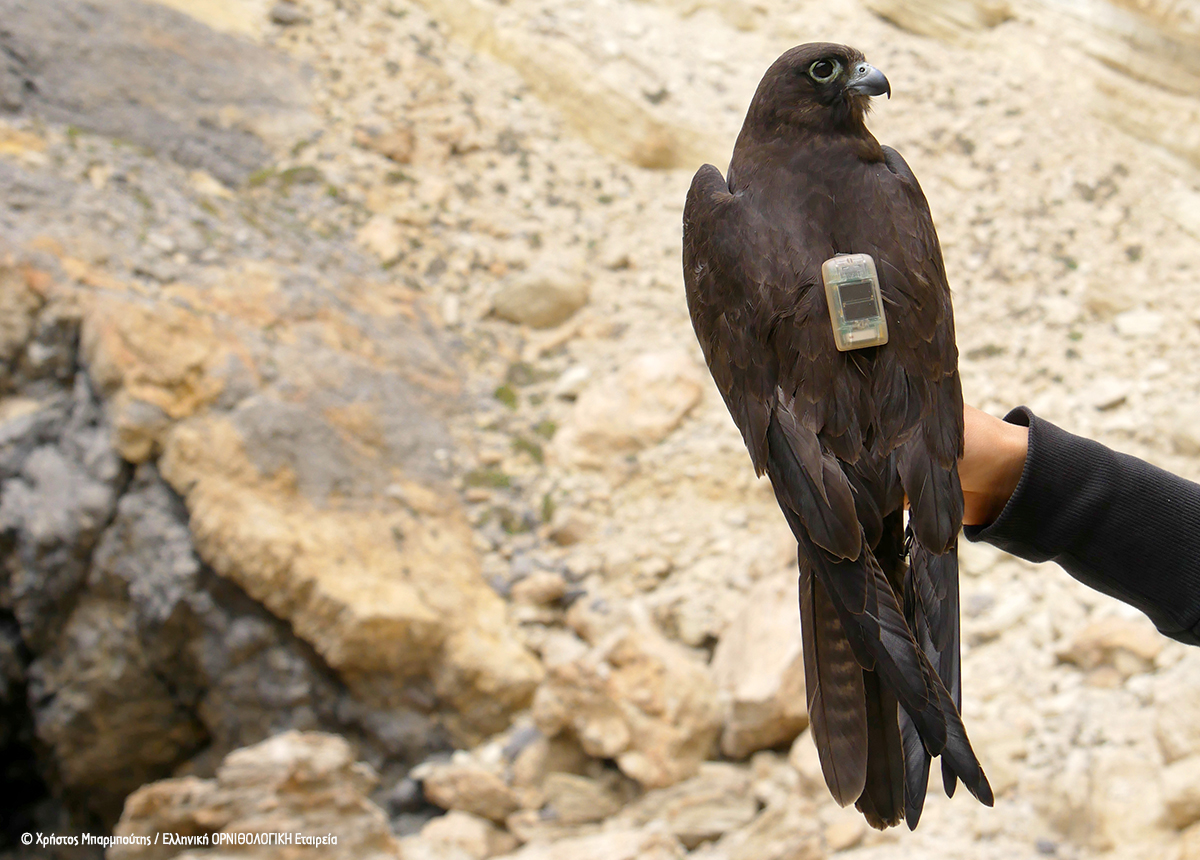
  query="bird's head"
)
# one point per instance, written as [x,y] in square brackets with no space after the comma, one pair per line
[818,86]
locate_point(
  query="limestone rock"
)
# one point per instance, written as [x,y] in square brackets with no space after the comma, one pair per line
[775,781]
[468,787]
[944,19]
[1106,795]
[806,761]
[1126,803]
[593,618]
[138,427]
[1114,648]
[610,845]
[109,720]
[1153,41]
[292,783]
[532,826]
[376,612]
[542,297]
[286,13]
[570,527]
[1181,792]
[22,294]
[382,238]
[716,801]
[759,668]
[419,848]
[845,833]
[564,72]
[783,832]
[225,16]
[141,657]
[631,409]
[1152,48]
[60,484]
[396,144]
[1177,709]
[638,698]
[474,836]
[539,588]
[1190,843]
[575,799]
[1138,322]
[1151,114]
[166,357]
[542,756]
[85,79]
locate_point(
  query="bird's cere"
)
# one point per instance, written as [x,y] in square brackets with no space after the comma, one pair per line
[868,80]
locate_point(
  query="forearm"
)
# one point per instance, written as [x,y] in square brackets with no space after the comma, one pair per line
[1114,522]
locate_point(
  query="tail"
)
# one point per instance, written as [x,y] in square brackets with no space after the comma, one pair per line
[866,735]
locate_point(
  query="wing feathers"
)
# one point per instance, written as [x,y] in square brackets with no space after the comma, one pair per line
[934,495]
[811,484]
[916,770]
[940,575]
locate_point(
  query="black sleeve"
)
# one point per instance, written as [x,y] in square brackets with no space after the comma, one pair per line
[1115,523]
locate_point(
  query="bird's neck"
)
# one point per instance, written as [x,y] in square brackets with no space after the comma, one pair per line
[758,159]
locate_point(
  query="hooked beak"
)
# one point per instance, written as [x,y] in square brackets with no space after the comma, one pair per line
[868,80]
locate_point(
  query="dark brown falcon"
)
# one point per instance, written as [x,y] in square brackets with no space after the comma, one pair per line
[845,437]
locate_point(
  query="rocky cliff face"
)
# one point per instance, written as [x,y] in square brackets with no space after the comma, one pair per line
[359,474]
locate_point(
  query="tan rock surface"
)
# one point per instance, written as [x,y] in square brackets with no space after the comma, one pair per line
[293,783]
[472,835]
[1112,649]
[1190,844]
[759,668]
[539,588]
[786,832]
[1181,792]
[1177,709]
[609,845]
[573,799]
[244,17]
[638,698]
[542,298]
[22,294]
[376,612]
[943,19]
[631,409]
[468,787]
[583,83]
[716,801]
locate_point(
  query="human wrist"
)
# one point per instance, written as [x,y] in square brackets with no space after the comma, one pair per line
[1011,447]
[992,464]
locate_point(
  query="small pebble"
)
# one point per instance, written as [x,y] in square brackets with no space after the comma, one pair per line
[287,14]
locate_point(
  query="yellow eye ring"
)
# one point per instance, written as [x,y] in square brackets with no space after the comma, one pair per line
[824,71]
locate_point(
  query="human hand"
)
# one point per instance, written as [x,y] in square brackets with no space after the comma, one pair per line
[991,466]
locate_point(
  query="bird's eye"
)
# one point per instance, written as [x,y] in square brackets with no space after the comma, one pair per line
[824,71]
